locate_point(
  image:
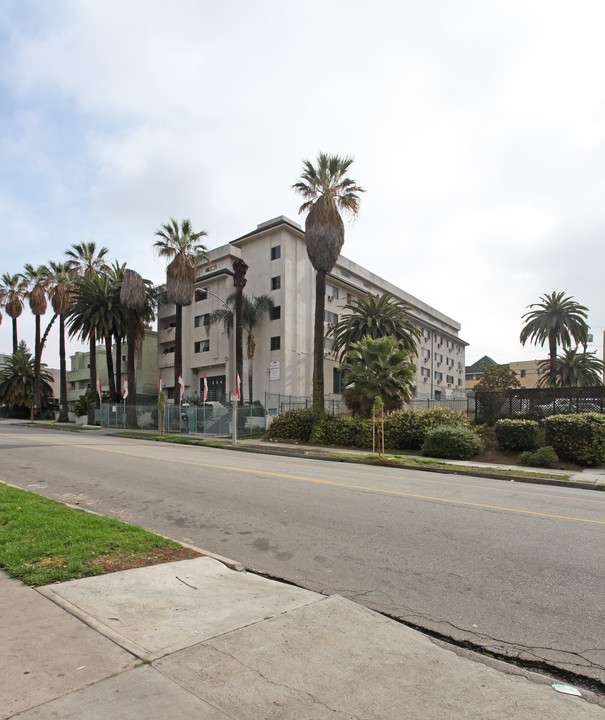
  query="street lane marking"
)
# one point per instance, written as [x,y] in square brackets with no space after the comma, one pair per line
[321,482]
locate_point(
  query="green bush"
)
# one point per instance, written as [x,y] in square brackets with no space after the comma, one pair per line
[577,438]
[406,429]
[542,457]
[516,435]
[345,431]
[457,443]
[294,425]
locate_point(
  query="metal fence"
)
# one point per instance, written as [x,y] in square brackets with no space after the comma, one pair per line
[539,402]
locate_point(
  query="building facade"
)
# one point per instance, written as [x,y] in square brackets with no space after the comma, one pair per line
[278,266]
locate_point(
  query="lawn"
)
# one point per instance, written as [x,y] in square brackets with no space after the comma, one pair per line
[43,541]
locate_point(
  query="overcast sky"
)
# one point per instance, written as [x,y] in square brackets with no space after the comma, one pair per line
[477,128]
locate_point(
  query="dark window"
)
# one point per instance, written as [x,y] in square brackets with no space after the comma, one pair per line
[200,295]
[202,346]
[276,282]
[276,312]
[523,373]
[338,376]
[276,342]
[201,320]
[275,252]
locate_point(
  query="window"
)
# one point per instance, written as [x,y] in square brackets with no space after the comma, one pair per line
[276,282]
[523,372]
[210,268]
[276,342]
[201,346]
[202,320]
[438,376]
[275,252]
[337,380]
[437,394]
[201,295]
[123,358]
[350,297]
[459,382]
[450,345]
[330,317]
[438,357]
[276,312]
[438,339]
[328,343]
[450,379]
[367,285]
[332,291]
[425,372]
[425,354]
[426,334]
[346,274]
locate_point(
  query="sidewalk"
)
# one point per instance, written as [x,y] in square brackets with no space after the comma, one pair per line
[195,639]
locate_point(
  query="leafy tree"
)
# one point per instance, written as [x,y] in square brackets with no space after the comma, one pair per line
[377,368]
[182,247]
[17,382]
[573,369]
[557,319]
[253,311]
[12,289]
[87,261]
[326,190]
[497,378]
[61,284]
[375,316]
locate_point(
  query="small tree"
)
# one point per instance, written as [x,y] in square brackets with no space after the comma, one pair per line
[497,378]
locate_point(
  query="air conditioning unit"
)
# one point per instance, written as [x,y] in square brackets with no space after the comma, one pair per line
[330,325]
[439,364]
[426,359]
[330,298]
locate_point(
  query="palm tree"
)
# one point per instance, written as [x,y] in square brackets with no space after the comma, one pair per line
[37,280]
[117,272]
[557,320]
[12,289]
[375,316]
[87,262]
[573,369]
[61,283]
[182,247]
[377,368]
[253,310]
[17,382]
[326,190]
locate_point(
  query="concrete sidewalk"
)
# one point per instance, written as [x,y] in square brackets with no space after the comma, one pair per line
[195,639]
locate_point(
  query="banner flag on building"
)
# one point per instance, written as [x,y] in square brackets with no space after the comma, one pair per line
[159,384]
[182,384]
[237,391]
[125,389]
[205,387]
[99,389]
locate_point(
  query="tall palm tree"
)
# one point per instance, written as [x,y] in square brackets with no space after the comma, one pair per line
[87,262]
[573,369]
[17,381]
[37,280]
[61,285]
[375,316]
[326,190]
[182,247]
[253,311]
[557,320]
[117,272]
[12,288]
[377,368]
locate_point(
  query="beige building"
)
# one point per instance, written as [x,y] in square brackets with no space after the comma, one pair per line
[278,265]
[527,372]
[78,377]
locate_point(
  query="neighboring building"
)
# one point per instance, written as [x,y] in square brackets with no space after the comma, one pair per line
[279,266]
[527,372]
[78,377]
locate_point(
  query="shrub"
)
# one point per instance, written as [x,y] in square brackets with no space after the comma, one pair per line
[516,435]
[406,429]
[294,425]
[446,441]
[577,438]
[346,431]
[542,457]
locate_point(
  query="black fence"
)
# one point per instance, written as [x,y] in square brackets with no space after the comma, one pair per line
[534,403]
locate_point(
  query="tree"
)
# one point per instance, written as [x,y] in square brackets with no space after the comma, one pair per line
[573,369]
[497,378]
[253,310]
[558,320]
[375,316]
[87,261]
[17,382]
[326,190]
[61,283]
[182,247]
[377,368]
[37,280]
[12,289]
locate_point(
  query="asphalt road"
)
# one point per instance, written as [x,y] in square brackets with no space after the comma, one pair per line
[514,568]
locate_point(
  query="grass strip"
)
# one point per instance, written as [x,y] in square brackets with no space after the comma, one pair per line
[43,541]
[179,439]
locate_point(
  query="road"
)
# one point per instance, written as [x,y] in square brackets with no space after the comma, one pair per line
[514,568]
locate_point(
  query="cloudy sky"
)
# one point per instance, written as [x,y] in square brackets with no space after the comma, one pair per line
[477,128]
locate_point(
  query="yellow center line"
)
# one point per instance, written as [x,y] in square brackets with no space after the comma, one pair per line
[323,482]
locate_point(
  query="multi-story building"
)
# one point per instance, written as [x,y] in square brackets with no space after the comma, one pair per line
[278,266]
[527,371]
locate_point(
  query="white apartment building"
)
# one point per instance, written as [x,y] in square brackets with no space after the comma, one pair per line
[278,266]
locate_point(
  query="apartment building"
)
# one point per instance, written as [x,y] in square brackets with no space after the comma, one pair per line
[278,266]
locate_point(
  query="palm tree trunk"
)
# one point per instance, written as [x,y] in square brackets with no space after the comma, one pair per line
[37,353]
[318,349]
[552,348]
[239,350]
[15,338]
[178,349]
[92,381]
[131,400]
[118,383]
[63,416]
[109,360]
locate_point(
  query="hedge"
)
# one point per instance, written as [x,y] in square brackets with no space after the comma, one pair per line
[516,435]
[577,438]
[294,425]
[457,443]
